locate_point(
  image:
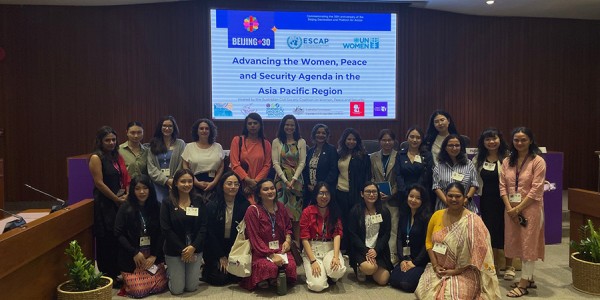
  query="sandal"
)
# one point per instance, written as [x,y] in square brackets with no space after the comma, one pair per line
[517,292]
[509,274]
[530,285]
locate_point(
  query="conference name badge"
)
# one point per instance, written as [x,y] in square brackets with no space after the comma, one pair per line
[489,166]
[515,198]
[144,241]
[191,211]
[440,248]
[457,176]
[376,219]
[274,245]
[405,251]
[166,172]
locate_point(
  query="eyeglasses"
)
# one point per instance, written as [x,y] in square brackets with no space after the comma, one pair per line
[323,194]
[452,146]
[370,192]
[167,126]
[232,184]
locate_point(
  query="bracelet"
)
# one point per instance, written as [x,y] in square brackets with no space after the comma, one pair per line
[313,261]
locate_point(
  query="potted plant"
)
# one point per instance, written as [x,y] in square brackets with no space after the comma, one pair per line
[85,282]
[585,262]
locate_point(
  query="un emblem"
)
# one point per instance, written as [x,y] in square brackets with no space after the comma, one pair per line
[294,42]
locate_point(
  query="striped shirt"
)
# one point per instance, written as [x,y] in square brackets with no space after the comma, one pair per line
[442,176]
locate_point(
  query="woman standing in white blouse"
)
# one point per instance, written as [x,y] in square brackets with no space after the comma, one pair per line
[204,157]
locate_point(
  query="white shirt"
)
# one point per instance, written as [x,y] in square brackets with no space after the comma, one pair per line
[203,160]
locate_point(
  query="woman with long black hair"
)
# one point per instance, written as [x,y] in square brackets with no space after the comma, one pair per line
[224,215]
[321,234]
[111,182]
[354,168]
[164,158]
[137,228]
[250,155]
[369,227]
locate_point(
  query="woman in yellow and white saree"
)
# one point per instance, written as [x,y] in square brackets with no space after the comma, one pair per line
[458,244]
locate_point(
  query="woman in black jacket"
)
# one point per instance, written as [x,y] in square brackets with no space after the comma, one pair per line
[369,227]
[354,168]
[183,221]
[137,228]
[414,164]
[412,230]
[321,162]
[224,214]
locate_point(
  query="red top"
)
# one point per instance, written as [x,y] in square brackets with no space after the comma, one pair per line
[311,225]
[259,230]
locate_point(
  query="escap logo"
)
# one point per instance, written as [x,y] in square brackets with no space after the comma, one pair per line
[294,42]
[357,109]
[251,24]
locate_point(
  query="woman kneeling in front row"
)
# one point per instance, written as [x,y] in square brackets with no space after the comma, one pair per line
[269,230]
[321,233]
[369,227]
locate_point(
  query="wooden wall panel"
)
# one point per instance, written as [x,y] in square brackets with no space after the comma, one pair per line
[70,70]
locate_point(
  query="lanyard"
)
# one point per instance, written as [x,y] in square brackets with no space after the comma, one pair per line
[324,229]
[143,223]
[117,167]
[517,176]
[408,228]
[386,164]
[272,220]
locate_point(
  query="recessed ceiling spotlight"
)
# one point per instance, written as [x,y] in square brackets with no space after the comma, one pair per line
[489,2]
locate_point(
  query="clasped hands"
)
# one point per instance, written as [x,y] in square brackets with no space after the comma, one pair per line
[371,256]
[141,262]
[188,254]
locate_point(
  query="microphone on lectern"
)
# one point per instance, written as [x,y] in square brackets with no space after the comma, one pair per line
[14,223]
[62,205]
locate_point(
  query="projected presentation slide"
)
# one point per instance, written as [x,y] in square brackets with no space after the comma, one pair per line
[314,65]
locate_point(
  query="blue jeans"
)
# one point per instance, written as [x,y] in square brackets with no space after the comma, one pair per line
[182,276]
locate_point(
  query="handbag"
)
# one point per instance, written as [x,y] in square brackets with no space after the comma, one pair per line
[239,261]
[142,283]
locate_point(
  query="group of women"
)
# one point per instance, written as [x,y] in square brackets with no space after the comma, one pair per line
[376,209]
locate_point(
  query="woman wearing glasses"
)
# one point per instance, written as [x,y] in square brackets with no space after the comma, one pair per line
[224,214]
[164,158]
[321,234]
[453,166]
[369,227]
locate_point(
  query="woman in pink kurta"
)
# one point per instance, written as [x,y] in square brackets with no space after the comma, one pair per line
[522,188]
[269,229]
[250,154]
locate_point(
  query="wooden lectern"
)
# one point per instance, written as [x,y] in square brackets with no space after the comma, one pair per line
[583,205]
[32,259]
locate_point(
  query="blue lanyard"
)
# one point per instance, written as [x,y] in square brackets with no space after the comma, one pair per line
[387,162]
[272,220]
